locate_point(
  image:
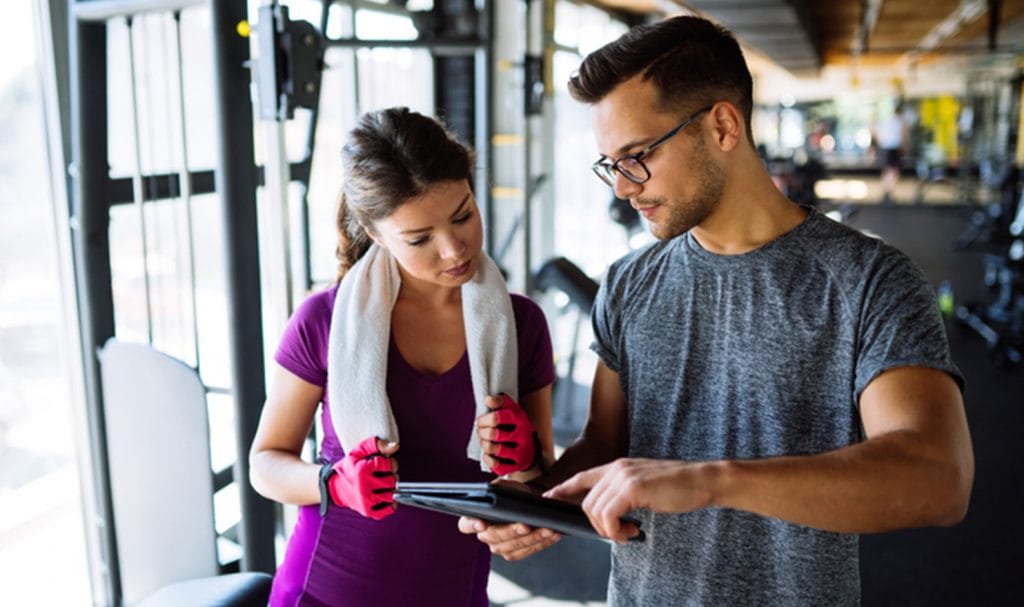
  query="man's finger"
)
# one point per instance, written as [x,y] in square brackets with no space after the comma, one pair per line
[604,499]
[605,507]
[628,531]
[575,485]
[608,506]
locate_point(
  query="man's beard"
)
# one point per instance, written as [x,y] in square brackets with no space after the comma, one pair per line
[683,215]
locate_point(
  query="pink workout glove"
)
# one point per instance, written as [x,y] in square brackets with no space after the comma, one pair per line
[363,480]
[515,436]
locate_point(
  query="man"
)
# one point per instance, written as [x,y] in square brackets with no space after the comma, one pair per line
[892,137]
[771,383]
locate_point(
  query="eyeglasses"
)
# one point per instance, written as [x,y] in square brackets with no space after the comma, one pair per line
[631,166]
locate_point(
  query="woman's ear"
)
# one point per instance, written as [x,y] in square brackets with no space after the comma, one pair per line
[374,237]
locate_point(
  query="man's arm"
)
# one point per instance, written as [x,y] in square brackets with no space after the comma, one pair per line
[914,468]
[605,434]
[603,439]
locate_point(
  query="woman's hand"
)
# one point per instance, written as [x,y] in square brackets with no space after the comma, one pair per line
[510,541]
[365,478]
[507,436]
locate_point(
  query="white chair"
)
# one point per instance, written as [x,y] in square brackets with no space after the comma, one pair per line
[162,483]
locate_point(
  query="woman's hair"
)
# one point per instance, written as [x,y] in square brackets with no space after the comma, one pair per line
[391,156]
[690,60]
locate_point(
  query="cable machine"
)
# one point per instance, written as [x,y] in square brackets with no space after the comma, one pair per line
[163,193]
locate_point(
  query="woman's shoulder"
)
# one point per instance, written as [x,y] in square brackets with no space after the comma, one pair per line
[303,346]
[528,314]
[318,302]
[318,305]
[523,306]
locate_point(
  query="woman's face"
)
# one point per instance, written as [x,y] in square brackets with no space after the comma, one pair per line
[436,237]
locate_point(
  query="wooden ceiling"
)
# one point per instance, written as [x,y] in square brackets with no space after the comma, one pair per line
[805,35]
[904,26]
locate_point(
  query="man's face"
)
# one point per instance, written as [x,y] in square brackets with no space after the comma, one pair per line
[685,184]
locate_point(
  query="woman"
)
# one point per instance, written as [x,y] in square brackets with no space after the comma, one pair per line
[406,205]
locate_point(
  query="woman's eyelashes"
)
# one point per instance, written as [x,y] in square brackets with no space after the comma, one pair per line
[461,219]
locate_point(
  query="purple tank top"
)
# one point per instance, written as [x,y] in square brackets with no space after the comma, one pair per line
[413,557]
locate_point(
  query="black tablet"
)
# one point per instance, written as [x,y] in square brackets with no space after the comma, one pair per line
[500,503]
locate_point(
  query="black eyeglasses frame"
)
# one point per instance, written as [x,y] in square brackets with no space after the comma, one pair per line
[606,170]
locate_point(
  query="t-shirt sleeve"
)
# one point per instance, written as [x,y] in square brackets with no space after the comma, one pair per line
[901,323]
[605,326]
[303,346]
[536,358]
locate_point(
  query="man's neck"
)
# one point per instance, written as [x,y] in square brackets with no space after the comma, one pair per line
[741,224]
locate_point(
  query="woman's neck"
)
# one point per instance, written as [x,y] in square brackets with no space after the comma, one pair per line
[426,294]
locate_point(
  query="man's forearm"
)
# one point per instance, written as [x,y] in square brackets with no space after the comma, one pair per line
[879,485]
[585,453]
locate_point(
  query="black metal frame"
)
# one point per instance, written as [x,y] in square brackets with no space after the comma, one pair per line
[235,179]
[91,249]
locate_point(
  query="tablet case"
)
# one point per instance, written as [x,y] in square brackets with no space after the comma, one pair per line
[498,503]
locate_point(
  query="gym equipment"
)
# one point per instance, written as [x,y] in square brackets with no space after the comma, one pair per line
[162,483]
[1001,322]
[560,274]
[1000,224]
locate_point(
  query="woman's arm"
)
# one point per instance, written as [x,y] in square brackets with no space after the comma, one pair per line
[276,468]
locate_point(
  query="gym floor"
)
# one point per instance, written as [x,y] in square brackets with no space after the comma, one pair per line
[978,562]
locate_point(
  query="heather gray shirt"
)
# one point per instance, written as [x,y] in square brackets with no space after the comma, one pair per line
[751,356]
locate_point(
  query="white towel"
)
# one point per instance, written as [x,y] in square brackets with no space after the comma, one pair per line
[358,346]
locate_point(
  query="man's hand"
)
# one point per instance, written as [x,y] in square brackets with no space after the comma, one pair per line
[614,489]
[512,542]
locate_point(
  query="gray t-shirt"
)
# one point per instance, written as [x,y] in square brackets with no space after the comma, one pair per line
[751,356]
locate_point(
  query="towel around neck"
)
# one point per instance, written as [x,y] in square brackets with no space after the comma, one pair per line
[358,346]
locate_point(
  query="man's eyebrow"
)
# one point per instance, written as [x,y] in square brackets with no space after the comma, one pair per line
[458,210]
[624,149]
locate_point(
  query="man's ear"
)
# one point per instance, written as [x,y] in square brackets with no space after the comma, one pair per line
[727,122]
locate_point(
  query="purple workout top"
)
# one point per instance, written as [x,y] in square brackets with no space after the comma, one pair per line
[413,557]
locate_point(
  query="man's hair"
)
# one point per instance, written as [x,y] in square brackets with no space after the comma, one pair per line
[391,156]
[690,60]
